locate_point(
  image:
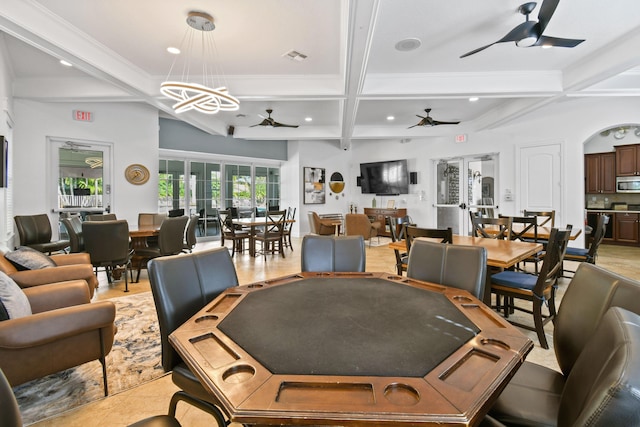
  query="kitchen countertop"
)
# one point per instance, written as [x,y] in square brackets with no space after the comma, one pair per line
[611,210]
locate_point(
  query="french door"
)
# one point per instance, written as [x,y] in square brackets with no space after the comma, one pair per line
[463,185]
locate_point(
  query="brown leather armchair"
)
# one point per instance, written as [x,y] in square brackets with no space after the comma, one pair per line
[65,330]
[360,225]
[320,226]
[69,267]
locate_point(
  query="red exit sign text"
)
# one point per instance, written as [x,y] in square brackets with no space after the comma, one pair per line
[83,116]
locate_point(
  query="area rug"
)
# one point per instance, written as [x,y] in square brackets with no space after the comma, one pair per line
[133,360]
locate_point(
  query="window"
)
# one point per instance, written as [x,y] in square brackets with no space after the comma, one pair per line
[205,195]
[238,188]
[171,185]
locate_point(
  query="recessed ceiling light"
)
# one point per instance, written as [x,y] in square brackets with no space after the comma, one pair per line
[409,44]
[173,50]
[65,63]
[390,118]
[308,119]
[473,99]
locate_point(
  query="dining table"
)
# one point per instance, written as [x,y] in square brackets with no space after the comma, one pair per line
[351,349]
[501,254]
[139,235]
[252,223]
[543,231]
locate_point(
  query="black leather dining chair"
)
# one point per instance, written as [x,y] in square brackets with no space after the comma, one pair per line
[170,241]
[333,253]
[35,231]
[107,243]
[181,285]
[73,225]
[462,267]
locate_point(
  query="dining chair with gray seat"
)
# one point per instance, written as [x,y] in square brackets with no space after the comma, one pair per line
[333,253]
[181,285]
[107,243]
[589,294]
[170,241]
[498,228]
[271,237]
[462,267]
[588,255]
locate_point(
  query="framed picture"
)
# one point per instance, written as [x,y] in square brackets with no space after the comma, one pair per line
[314,185]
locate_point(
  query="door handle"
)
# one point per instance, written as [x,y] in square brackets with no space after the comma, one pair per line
[462,205]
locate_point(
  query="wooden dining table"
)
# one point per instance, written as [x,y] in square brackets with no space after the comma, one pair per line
[351,349]
[543,231]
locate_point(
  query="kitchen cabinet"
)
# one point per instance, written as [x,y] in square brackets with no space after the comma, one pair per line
[600,173]
[379,214]
[628,160]
[627,228]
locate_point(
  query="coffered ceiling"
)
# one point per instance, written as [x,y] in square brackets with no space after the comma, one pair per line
[355,75]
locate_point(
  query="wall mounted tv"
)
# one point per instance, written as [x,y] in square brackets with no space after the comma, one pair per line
[384,178]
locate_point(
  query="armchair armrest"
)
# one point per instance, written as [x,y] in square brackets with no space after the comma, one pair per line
[63,273]
[57,295]
[71,259]
[50,326]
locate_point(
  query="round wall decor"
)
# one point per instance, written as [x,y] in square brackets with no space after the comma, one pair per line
[136,174]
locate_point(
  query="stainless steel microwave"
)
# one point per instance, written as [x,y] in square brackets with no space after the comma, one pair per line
[628,184]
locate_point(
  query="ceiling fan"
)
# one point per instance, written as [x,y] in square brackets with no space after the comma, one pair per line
[268,121]
[428,121]
[529,33]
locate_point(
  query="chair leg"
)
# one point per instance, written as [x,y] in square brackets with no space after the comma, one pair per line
[103,362]
[200,404]
[539,322]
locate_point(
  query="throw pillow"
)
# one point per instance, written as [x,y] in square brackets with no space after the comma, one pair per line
[26,258]
[3,312]
[13,299]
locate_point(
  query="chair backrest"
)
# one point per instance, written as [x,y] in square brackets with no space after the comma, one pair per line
[552,265]
[33,228]
[411,232]
[597,237]
[101,217]
[589,295]
[171,235]
[175,212]
[275,222]
[499,228]
[151,218]
[602,389]
[73,225]
[333,253]
[313,227]
[529,230]
[545,218]
[225,219]
[10,415]
[358,225]
[190,233]
[106,241]
[462,267]
[183,284]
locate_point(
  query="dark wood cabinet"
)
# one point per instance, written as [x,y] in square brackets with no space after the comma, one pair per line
[626,228]
[600,173]
[628,160]
[380,214]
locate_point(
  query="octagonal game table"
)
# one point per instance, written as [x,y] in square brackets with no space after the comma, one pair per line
[351,349]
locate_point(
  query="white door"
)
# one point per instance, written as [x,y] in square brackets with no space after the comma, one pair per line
[540,179]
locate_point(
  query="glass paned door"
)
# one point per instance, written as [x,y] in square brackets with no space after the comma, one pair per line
[481,178]
[171,185]
[238,187]
[205,197]
[449,206]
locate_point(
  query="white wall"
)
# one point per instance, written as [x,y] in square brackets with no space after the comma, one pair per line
[131,128]
[6,123]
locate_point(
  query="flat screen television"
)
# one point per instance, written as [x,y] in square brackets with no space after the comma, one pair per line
[384,178]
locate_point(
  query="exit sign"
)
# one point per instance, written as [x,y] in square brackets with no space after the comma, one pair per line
[82,116]
[462,137]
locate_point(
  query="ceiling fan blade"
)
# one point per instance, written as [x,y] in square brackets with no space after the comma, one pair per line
[476,51]
[282,125]
[557,42]
[436,123]
[547,9]
[265,122]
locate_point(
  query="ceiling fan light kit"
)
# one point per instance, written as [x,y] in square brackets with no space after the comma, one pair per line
[196,96]
[530,33]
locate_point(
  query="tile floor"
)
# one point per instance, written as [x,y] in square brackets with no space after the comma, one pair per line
[153,397]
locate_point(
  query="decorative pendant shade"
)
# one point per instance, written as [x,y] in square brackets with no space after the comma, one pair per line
[204,97]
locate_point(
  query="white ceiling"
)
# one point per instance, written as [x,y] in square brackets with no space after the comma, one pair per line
[353,78]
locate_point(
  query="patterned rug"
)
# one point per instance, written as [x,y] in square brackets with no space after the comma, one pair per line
[133,360]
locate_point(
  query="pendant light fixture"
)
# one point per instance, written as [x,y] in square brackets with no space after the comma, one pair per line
[209,96]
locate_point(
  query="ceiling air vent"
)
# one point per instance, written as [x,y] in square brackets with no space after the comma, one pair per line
[294,55]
